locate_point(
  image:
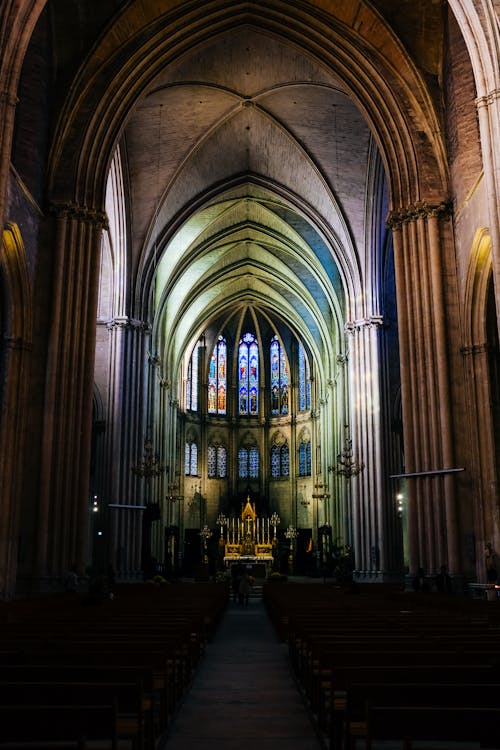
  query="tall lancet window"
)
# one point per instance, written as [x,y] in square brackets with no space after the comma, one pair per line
[217,462]
[305,457]
[279,378]
[191,458]
[248,463]
[217,378]
[192,382]
[248,380]
[304,381]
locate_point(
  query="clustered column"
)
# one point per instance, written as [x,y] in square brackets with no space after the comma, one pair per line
[365,490]
[69,383]
[419,234]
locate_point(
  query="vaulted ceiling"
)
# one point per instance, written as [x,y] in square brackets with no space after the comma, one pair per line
[252,155]
[251,173]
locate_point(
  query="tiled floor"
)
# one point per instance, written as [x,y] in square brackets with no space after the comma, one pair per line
[243,696]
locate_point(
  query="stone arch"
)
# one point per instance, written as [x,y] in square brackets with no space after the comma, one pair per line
[17,22]
[478,277]
[478,355]
[479,23]
[384,87]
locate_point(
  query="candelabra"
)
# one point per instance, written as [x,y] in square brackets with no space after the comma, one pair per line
[348,466]
[275,521]
[205,534]
[222,521]
[150,466]
[291,533]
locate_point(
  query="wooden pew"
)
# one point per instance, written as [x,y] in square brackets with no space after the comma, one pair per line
[350,716]
[438,723]
[134,716]
[25,726]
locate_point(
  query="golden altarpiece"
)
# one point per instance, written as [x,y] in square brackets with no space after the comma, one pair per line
[249,538]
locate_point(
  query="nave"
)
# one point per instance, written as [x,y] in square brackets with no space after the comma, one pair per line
[244,695]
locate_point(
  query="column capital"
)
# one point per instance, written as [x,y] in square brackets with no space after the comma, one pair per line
[129,324]
[487,99]
[154,360]
[16,343]
[355,326]
[9,98]
[418,210]
[473,349]
[72,210]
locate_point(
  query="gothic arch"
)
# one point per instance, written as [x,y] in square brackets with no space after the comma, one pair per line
[122,67]
[17,21]
[477,353]
[478,278]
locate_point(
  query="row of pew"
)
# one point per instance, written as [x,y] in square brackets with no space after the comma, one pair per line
[81,673]
[386,666]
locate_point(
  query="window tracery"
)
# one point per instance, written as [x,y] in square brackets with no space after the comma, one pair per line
[248,375]
[217,378]
[279,378]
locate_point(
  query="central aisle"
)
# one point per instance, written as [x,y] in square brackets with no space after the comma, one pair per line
[243,696]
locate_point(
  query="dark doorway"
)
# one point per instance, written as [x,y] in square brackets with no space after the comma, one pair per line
[192,551]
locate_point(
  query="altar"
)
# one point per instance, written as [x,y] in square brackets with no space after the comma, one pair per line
[249,540]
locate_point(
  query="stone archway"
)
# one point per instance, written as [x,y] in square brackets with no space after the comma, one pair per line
[411,151]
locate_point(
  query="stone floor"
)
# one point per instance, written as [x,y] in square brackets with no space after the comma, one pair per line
[243,696]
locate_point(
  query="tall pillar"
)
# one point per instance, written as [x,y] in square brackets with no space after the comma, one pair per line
[419,245]
[126,418]
[15,349]
[483,452]
[363,469]
[63,507]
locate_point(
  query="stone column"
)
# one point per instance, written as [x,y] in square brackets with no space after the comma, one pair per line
[364,486]
[482,459]
[63,505]
[16,347]
[124,441]
[419,245]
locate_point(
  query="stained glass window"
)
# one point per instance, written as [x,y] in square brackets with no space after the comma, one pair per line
[248,463]
[285,461]
[253,462]
[275,461]
[191,459]
[243,463]
[280,461]
[212,461]
[217,378]
[305,459]
[279,378]
[221,462]
[248,375]
[192,382]
[217,462]
[304,381]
